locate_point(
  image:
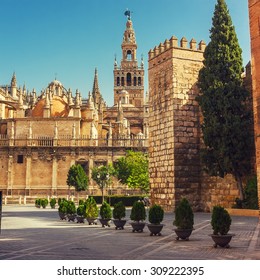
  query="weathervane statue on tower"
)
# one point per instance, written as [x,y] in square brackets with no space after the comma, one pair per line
[128,14]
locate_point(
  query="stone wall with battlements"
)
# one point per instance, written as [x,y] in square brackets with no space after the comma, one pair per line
[174,130]
[174,136]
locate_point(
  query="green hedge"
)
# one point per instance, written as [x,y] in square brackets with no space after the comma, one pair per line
[113,199]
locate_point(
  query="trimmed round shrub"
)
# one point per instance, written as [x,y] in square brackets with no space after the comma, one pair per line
[220,220]
[44,202]
[63,206]
[81,210]
[38,202]
[60,200]
[156,214]
[119,210]
[105,211]
[53,202]
[138,212]
[91,208]
[71,207]
[184,217]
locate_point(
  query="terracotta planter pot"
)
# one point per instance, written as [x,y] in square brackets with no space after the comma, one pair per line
[183,234]
[222,240]
[155,229]
[138,226]
[105,222]
[119,223]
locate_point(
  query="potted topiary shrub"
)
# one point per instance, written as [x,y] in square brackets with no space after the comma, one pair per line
[184,220]
[44,202]
[80,213]
[62,210]
[60,200]
[155,217]
[105,214]
[118,215]
[71,211]
[38,203]
[91,210]
[221,221]
[53,203]
[138,216]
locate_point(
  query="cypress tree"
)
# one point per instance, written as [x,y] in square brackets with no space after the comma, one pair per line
[223,101]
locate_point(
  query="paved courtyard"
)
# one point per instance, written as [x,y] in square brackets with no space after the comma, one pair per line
[29,233]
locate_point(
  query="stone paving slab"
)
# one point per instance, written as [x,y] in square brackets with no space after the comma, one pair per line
[29,233]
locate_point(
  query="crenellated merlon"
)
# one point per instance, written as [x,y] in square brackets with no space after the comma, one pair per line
[173,43]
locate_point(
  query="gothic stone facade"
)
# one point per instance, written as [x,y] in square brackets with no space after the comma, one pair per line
[42,135]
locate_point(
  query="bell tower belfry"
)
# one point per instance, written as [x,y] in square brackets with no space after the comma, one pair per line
[129,76]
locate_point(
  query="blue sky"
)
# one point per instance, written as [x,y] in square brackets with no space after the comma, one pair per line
[67,39]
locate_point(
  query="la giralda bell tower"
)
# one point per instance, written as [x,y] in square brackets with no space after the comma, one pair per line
[129,76]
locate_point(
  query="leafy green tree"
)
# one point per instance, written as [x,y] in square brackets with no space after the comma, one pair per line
[223,101]
[77,178]
[132,170]
[103,175]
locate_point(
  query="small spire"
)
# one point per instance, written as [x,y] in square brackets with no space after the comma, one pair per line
[90,101]
[13,81]
[95,84]
[77,101]
[115,62]
[34,98]
[70,101]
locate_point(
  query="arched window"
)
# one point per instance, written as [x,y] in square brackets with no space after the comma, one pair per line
[139,81]
[122,81]
[128,79]
[118,81]
[134,81]
[129,55]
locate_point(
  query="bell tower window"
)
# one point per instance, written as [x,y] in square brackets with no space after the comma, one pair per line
[129,55]
[139,81]
[128,79]
[134,81]
[118,81]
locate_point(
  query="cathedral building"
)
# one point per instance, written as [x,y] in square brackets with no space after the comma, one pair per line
[43,134]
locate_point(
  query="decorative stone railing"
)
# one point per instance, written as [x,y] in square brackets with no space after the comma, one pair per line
[69,141]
